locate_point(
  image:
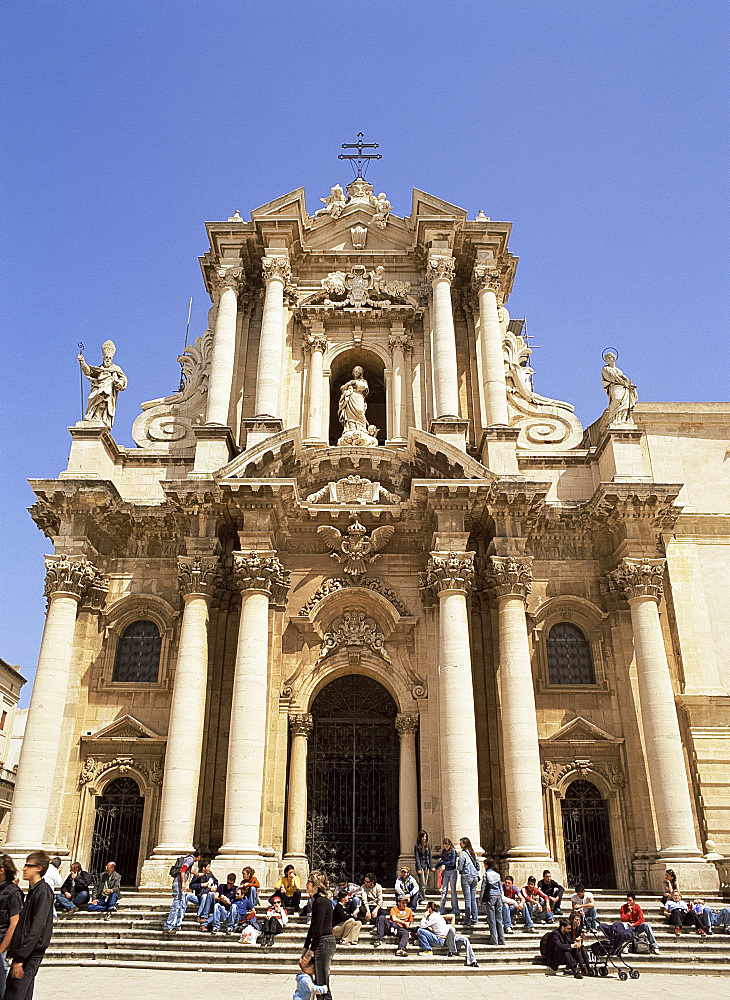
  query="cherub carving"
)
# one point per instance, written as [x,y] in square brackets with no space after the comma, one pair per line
[333,203]
[356,549]
[382,211]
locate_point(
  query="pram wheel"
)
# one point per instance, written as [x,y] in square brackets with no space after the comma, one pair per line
[622,975]
[634,974]
[603,971]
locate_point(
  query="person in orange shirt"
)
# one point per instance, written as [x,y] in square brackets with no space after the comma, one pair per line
[250,885]
[399,921]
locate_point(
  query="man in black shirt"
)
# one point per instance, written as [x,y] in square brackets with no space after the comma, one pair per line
[11,903]
[74,892]
[553,890]
[32,933]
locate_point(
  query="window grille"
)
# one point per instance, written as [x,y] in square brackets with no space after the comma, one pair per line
[138,654]
[569,656]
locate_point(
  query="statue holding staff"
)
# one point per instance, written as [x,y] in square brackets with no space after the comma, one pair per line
[107,381]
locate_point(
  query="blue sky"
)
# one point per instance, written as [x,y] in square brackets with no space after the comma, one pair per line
[599,129]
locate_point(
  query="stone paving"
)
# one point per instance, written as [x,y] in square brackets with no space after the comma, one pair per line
[121,984]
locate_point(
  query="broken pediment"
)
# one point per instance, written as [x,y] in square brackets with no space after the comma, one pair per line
[287,206]
[428,206]
[580,730]
[126,728]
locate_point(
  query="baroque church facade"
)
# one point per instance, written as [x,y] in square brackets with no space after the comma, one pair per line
[359,578]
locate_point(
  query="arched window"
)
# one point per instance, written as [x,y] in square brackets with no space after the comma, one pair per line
[138,654]
[569,656]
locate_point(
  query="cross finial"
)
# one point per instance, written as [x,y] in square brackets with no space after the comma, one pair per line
[360,158]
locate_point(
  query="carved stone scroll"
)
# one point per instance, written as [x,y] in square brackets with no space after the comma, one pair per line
[354,630]
[638,578]
[254,571]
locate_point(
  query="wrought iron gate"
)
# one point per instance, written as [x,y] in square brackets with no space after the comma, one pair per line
[587,836]
[352,778]
[117,829]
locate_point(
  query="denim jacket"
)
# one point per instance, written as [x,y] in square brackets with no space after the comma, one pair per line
[448,860]
[422,856]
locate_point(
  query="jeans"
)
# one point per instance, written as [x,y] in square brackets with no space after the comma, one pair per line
[556,901]
[107,904]
[22,989]
[455,941]
[589,917]
[178,907]
[227,914]
[3,974]
[721,918]
[422,882]
[449,882]
[646,929]
[385,926]
[538,913]
[428,940]
[67,904]
[494,919]
[509,913]
[469,888]
[323,959]
[206,904]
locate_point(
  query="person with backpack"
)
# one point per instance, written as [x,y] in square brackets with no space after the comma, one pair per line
[492,893]
[180,874]
[11,904]
[468,868]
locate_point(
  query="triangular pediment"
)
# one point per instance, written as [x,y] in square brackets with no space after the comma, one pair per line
[329,235]
[287,206]
[126,728]
[580,730]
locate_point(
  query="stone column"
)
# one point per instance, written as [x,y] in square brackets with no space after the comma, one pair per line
[451,577]
[407,726]
[228,281]
[301,726]
[68,580]
[641,583]
[277,273]
[510,581]
[400,342]
[261,579]
[441,273]
[487,281]
[185,727]
[317,345]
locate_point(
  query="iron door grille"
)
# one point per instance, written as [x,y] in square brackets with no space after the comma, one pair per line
[117,829]
[587,836]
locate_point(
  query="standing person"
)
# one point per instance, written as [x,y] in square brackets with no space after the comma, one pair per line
[424,863]
[320,941]
[180,873]
[583,900]
[406,885]
[11,903]
[468,868]
[107,893]
[74,892]
[492,894]
[32,933]
[631,913]
[447,861]
[553,890]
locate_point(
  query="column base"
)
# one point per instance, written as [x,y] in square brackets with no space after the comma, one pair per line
[452,430]
[693,874]
[498,450]
[214,448]
[257,429]
[19,852]
[155,872]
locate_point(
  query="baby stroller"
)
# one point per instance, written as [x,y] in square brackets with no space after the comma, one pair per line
[611,948]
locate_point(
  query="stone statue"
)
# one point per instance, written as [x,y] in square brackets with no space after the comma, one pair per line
[382,211]
[352,409]
[621,391]
[107,381]
[333,203]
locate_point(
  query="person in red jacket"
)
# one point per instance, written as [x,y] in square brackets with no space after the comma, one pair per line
[631,913]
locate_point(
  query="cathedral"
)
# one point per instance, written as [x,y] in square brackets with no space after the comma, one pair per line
[359,578]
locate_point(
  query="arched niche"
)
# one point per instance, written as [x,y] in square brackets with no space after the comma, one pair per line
[341,364]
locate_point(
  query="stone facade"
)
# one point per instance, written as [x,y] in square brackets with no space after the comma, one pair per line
[475,527]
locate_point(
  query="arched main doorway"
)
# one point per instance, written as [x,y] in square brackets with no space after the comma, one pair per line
[117,829]
[587,837]
[352,780]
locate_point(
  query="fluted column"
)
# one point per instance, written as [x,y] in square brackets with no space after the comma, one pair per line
[277,273]
[228,282]
[510,580]
[68,580]
[399,342]
[450,578]
[301,726]
[641,583]
[185,728]
[441,272]
[487,281]
[317,345]
[261,579]
[407,725]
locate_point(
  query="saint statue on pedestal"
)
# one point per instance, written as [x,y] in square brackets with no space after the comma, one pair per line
[352,409]
[621,391]
[107,381]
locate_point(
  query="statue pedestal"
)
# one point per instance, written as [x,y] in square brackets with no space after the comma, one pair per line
[257,429]
[452,430]
[94,452]
[214,448]
[620,455]
[498,450]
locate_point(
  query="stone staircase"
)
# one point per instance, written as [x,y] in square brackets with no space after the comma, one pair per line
[132,938]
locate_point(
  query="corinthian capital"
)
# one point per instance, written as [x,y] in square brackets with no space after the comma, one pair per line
[444,573]
[638,578]
[487,276]
[406,722]
[316,342]
[508,576]
[196,574]
[301,724]
[74,576]
[229,277]
[276,267]
[402,340]
[263,572]
[441,267]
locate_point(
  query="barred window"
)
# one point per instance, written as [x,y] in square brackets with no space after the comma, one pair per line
[569,656]
[138,654]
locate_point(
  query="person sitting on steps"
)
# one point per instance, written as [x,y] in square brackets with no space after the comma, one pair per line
[432,931]
[680,915]
[514,903]
[107,893]
[406,885]
[274,922]
[74,892]
[632,914]
[553,890]
[288,888]
[558,948]
[398,922]
[345,928]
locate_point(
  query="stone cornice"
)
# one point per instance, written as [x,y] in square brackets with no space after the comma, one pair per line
[74,576]
[637,578]
[261,571]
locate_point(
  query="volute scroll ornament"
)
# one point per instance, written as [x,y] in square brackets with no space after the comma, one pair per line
[406,723]
[93,768]
[263,572]
[444,573]
[74,575]
[276,267]
[638,578]
[441,267]
[301,724]
[228,277]
[508,576]
[196,574]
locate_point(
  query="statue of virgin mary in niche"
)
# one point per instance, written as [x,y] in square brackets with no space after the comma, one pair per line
[351,412]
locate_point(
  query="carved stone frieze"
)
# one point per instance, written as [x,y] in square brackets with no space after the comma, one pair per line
[255,571]
[406,723]
[276,267]
[443,573]
[353,490]
[354,630]
[301,724]
[359,288]
[196,574]
[75,575]
[611,771]
[507,576]
[441,267]
[638,578]
[336,584]
[93,768]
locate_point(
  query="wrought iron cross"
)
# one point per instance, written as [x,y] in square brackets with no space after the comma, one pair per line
[359,157]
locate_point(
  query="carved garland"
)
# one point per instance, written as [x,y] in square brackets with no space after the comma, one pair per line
[338,583]
[552,773]
[92,769]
